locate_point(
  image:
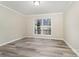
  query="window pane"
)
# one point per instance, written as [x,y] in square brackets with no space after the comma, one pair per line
[47,22]
[47,31]
[39,22]
[38,30]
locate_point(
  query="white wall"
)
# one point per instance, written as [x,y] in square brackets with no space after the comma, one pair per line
[57,24]
[71,26]
[11,25]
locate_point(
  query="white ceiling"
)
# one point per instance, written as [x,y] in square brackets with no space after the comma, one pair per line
[27,7]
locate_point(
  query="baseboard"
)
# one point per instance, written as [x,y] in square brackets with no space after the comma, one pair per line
[28,37]
[10,41]
[45,38]
[58,38]
[73,49]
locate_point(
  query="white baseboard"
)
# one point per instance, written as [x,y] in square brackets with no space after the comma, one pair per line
[28,37]
[45,38]
[73,49]
[58,38]
[10,41]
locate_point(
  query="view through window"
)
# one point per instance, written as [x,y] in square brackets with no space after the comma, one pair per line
[42,26]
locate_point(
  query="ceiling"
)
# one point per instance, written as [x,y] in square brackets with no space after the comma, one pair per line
[27,7]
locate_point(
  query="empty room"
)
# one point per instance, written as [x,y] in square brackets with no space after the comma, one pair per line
[39,28]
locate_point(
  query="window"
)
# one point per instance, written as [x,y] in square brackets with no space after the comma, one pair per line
[42,26]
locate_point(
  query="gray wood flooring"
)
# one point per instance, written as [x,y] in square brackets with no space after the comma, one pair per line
[30,47]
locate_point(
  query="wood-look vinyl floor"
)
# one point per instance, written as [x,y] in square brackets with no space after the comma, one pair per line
[29,47]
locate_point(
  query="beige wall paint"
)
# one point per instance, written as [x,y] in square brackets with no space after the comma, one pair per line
[57,24]
[71,26]
[11,25]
